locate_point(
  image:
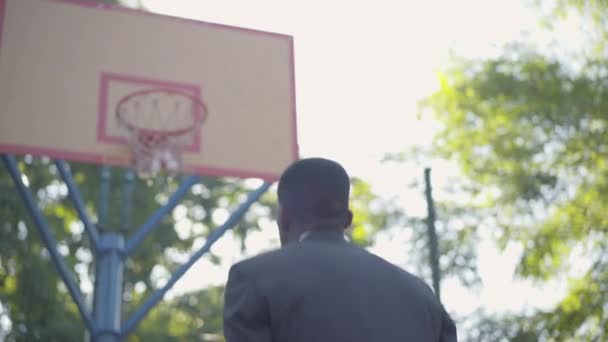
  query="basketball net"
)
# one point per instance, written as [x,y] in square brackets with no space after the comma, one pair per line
[159,123]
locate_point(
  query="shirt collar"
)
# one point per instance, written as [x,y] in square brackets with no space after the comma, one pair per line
[304,236]
[322,235]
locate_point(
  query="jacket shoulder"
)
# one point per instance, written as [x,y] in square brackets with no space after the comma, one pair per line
[259,261]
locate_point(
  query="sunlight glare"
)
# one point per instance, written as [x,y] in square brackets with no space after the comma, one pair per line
[361,67]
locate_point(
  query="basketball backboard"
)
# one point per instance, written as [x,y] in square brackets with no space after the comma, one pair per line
[64,65]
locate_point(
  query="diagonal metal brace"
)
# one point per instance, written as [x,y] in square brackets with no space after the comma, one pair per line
[76,198]
[150,225]
[48,239]
[157,296]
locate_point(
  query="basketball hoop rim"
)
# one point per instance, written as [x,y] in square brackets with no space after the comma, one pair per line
[161,132]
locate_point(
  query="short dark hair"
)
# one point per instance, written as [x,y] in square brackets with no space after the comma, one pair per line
[314,188]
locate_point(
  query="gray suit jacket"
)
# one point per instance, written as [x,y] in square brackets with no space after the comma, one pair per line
[325,289]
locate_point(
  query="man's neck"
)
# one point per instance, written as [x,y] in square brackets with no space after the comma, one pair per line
[319,225]
[321,233]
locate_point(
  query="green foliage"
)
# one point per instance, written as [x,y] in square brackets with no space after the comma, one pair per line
[489,327]
[593,20]
[192,317]
[593,8]
[371,214]
[531,132]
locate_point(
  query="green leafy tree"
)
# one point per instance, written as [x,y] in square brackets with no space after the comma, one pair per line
[192,317]
[529,130]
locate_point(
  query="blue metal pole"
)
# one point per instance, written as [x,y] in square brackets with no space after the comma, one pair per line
[76,198]
[102,215]
[153,221]
[108,294]
[48,239]
[234,218]
[104,194]
[127,202]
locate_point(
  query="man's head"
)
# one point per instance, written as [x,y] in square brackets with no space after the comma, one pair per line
[313,195]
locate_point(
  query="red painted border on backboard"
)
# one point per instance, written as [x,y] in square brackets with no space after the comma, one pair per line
[103,110]
[60,154]
[119,8]
[101,159]
[295,149]
[90,157]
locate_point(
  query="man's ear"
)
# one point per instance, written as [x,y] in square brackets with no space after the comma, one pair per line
[349,219]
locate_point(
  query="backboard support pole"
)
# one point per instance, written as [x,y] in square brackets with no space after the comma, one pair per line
[232,220]
[102,216]
[105,322]
[104,196]
[108,294]
[127,202]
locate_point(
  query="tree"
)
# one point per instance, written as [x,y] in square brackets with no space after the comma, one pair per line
[191,317]
[530,131]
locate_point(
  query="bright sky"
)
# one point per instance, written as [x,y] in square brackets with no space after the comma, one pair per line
[360,68]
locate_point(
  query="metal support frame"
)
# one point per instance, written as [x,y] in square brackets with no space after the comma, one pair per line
[129,188]
[104,195]
[47,237]
[153,221]
[105,325]
[232,220]
[76,198]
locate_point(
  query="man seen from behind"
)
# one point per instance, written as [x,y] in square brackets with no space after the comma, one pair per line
[319,287]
